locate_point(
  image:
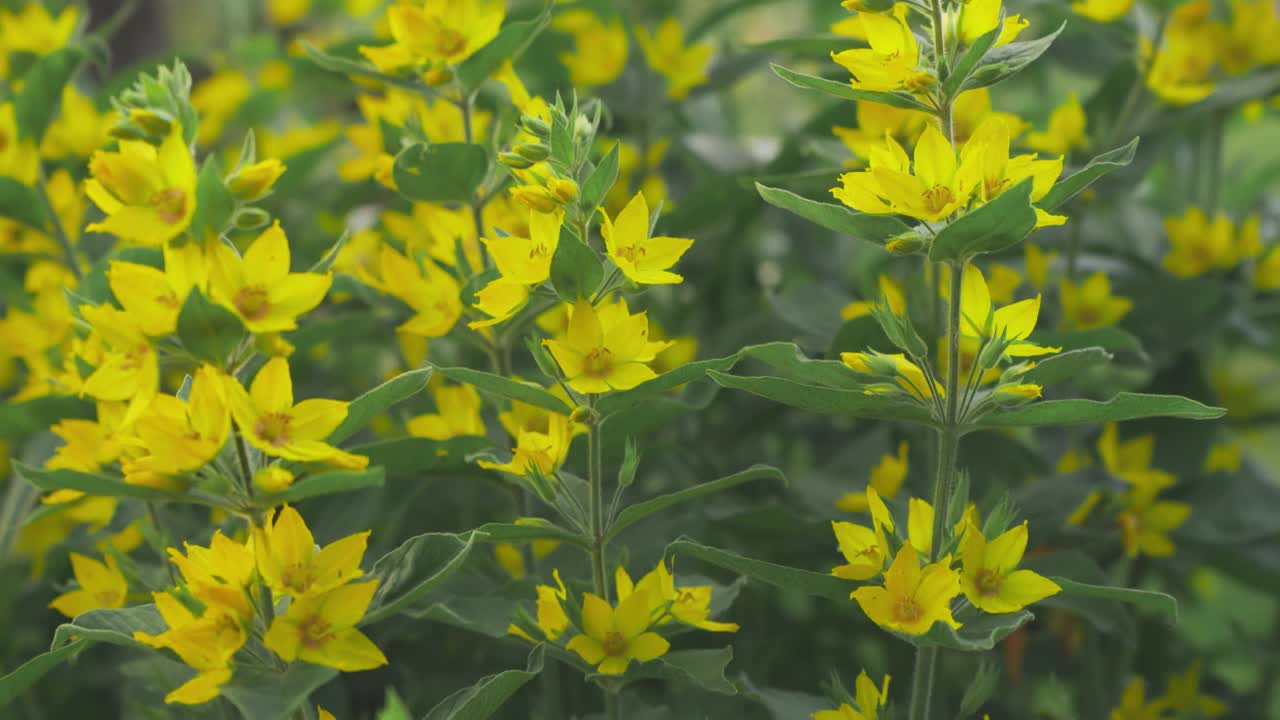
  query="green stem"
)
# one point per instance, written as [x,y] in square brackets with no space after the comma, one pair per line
[246,470]
[612,708]
[595,478]
[59,231]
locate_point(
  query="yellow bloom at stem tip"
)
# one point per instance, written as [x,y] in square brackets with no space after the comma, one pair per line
[605,349]
[979,17]
[930,189]
[642,259]
[684,66]
[321,629]
[290,563]
[1013,323]
[271,422]
[612,637]
[912,598]
[147,193]
[990,579]
[101,586]
[259,287]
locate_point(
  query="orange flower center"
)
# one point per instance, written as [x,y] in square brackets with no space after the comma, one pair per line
[539,251]
[614,644]
[631,253]
[168,299]
[274,428]
[253,302]
[938,197]
[315,632]
[296,577]
[597,363]
[450,42]
[989,580]
[170,204]
[1087,316]
[907,609]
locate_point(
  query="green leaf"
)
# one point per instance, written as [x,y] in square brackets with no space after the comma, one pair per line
[214,202]
[210,331]
[271,695]
[999,224]
[1071,185]
[635,513]
[524,533]
[825,400]
[414,569]
[349,66]
[16,683]
[325,483]
[1007,60]
[331,255]
[420,456]
[619,401]
[112,626]
[876,229]
[22,203]
[509,43]
[979,631]
[1111,339]
[1156,602]
[440,172]
[19,418]
[525,392]
[845,92]
[1124,406]
[1107,615]
[375,402]
[482,700]
[702,668]
[600,180]
[393,708]
[41,96]
[780,576]
[1066,365]
[99,485]
[576,270]
[789,362]
[969,61]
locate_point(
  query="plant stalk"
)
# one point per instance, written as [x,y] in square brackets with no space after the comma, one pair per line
[595,479]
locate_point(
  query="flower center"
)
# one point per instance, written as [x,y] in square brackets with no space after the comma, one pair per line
[614,644]
[631,253]
[450,42]
[296,577]
[314,632]
[538,251]
[989,580]
[170,204]
[168,299]
[906,609]
[107,598]
[274,428]
[253,302]
[597,363]
[937,197]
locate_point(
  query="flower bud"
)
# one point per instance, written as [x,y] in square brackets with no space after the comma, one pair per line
[514,161]
[563,190]
[272,479]
[151,122]
[537,152]
[254,181]
[535,126]
[535,197]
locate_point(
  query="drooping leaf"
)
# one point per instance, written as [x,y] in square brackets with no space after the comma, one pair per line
[524,392]
[702,668]
[789,362]
[375,402]
[1124,406]
[1001,223]
[414,569]
[979,631]
[780,576]
[1071,185]
[512,533]
[440,172]
[635,513]
[114,626]
[845,92]
[875,229]
[208,330]
[482,700]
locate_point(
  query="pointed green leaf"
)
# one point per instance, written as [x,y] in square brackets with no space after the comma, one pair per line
[1066,365]
[325,483]
[524,533]
[780,576]
[576,270]
[482,700]
[1006,60]
[440,172]
[978,632]
[1071,185]
[600,180]
[845,92]
[524,392]
[91,484]
[825,400]
[702,668]
[15,684]
[876,229]
[789,362]
[635,513]
[420,456]
[208,330]
[214,202]
[418,566]
[969,61]
[375,402]
[619,401]
[1001,223]
[22,203]
[1124,406]
[509,44]
[114,626]
[260,693]
[41,96]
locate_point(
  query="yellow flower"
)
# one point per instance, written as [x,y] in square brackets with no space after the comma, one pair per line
[253,182]
[101,586]
[1066,130]
[291,564]
[433,295]
[1183,695]
[321,629]
[972,108]
[1198,245]
[87,445]
[684,66]
[457,413]
[1249,41]
[205,643]
[864,551]
[1134,706]
[1180,70]
[1014,323]
[1091,304]
[1224,457]
[600,50]
[552,620]
[1103,11]
[912,598]
[920,525]
[875,121]
[34,30]
[1145,522]
[287,12]
[217,99]
[688,604]
[986,153]
[611,638]
[268,419]
[990,579]
[153,298]
[1267,275]
[868,697]
[909,376]
[886,477]
[935,188]
[642,259]
[217,575]
[147,193]
[891,61]
[18,157]
[79,129]
[523,263]
[178,437]
[1037,264]
[605,349]
[259,287]
[446,31]
[130,370]
[979,17]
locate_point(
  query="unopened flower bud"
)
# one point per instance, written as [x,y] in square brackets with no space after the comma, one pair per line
[254,181]
[514,161]
[537,152]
